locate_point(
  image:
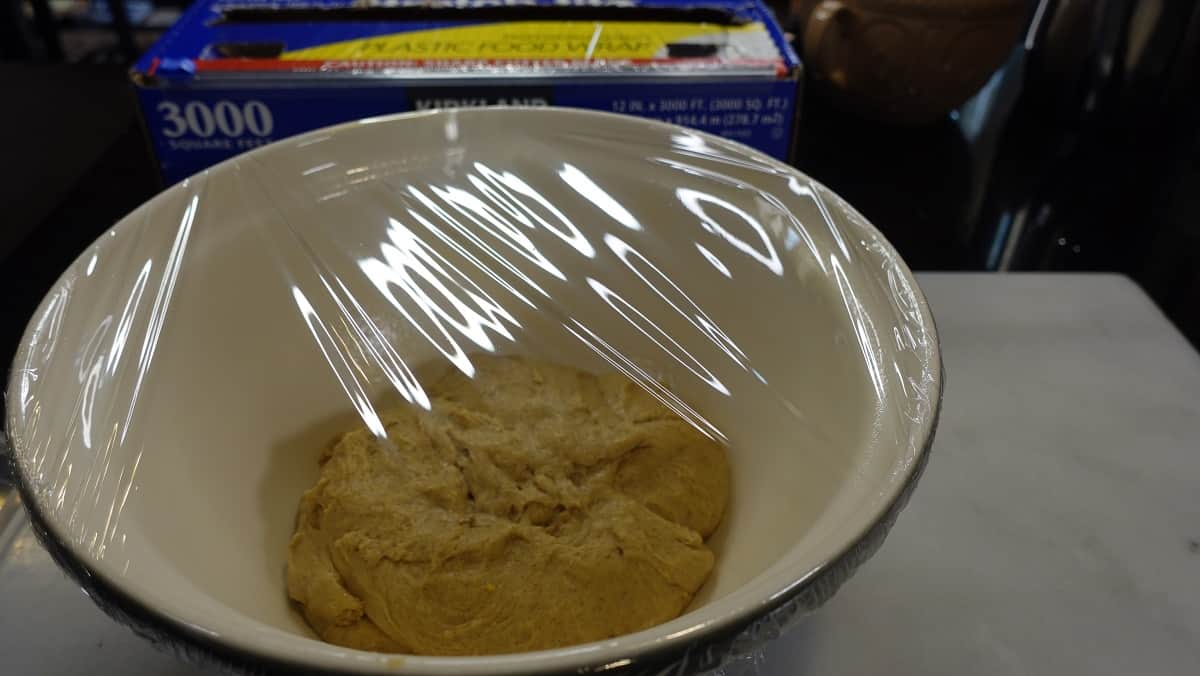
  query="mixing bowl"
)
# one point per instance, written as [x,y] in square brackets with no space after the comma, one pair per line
[175,388]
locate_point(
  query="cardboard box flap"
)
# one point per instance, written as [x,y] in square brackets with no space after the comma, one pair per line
[468,38]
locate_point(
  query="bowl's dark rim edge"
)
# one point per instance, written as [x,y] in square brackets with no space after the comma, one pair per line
[707,652]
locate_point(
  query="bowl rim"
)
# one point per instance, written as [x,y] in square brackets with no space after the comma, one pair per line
[639,652]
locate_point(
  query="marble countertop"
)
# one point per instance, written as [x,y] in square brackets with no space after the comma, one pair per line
[1056,530]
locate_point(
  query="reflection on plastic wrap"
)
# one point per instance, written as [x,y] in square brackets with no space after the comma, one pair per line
[114,359]
[329,274]
[485,220]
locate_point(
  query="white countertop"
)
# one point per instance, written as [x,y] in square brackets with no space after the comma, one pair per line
[1056,529]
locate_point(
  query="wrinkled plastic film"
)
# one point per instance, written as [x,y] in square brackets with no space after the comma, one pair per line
[174,390]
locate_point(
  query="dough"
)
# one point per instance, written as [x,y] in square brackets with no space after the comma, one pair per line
[536,506]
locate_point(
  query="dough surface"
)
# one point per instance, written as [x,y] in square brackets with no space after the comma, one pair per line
[536,506]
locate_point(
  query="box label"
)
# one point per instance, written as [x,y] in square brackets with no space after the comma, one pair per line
[554,40]
[192,129]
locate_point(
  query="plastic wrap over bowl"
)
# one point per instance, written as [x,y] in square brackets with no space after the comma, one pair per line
[174,390]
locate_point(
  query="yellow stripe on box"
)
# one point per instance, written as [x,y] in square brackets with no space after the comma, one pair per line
[525,40]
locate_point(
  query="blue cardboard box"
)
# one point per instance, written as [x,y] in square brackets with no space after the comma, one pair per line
[235,74]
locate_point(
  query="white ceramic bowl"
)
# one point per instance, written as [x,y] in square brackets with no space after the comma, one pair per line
[173,391]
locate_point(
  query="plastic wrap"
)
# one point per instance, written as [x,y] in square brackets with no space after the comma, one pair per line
[176,387]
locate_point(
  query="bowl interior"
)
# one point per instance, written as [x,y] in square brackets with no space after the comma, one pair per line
[175,390]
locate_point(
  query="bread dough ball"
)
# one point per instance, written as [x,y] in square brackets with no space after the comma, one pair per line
[535,506]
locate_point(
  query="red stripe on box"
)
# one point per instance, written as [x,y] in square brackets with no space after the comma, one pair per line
[340,65]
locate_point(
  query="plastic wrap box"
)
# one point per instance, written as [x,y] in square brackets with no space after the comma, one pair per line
[233,74]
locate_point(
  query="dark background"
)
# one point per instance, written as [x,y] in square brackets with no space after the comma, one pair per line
[1081,153]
